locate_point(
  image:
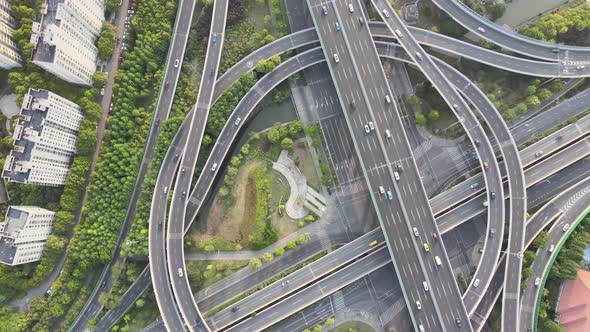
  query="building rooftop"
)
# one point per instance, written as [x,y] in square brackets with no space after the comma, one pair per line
[573,307]
[7,250]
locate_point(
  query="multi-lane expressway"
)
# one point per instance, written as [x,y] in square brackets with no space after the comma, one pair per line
[516,186]
[387,162]
[511,40]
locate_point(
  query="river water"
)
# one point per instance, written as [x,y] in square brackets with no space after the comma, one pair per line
[520,11]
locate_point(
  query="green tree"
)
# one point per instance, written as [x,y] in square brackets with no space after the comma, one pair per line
[509,114]
[302,238]
[521,108]
[541,239]
[433,116]
[99,79]
[330,321]
[267,257]
[107,41]
[552,326]
[274,134]
[287,144]
[255,263]
[413,100]
[421,119]
[531,90]
[279,251]
[111,5]
[544,94]
[291,245]
[533,101]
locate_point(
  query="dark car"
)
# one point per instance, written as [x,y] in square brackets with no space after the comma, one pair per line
[166,86]
[234,309]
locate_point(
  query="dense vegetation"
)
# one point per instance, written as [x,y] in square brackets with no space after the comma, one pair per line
[107,41]
[112,182]
[570,25]
[569,259]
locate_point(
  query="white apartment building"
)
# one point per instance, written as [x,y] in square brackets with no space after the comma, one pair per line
[9,52]
[65,39]
[45,140]
[23,234]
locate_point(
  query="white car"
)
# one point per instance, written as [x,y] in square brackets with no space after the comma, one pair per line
[480,29]
[336,58]
[350,8]
[580,67]
[418,305]
[176,63]
[367,130]
[415,231]
[381,189]
[537,281]
[425,285]
[419,55]
[551,248]
[385,13]
[566,227]
[102,92]
[214,167]
[371,125]
[396,176]
[476,283]
[387,133]
[237,121]
[398,33]
[180,273]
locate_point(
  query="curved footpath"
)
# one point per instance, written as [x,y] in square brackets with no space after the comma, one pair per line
[512,40]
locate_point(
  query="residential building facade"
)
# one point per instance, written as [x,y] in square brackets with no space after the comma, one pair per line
[9,53]
[23,234]
[45,138]
[65,39]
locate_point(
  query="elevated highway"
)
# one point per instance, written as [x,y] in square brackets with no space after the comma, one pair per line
[569,56]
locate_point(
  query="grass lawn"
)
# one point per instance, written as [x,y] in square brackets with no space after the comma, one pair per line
[306,166]
[353,326]
[202,274]
[233,223]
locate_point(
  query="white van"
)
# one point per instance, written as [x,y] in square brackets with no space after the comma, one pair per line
[165,190]
[437,260]
[387,133]
[476,283]
[387,99]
